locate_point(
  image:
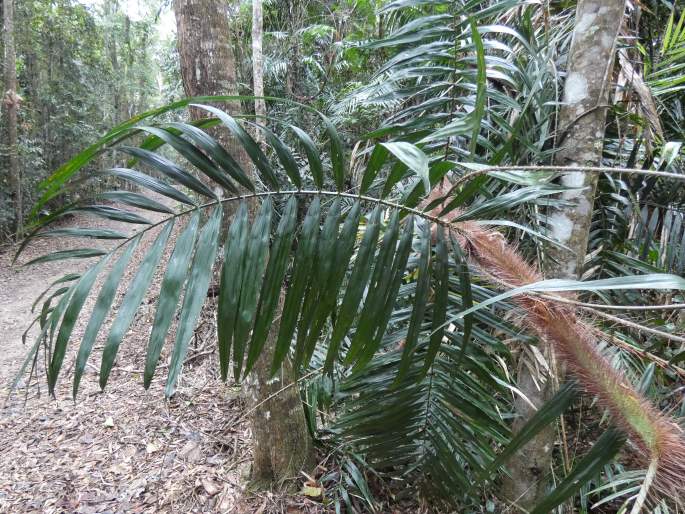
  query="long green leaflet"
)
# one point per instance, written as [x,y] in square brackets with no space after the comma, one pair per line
[102,306]
[273,281]
[325,254]
[441,292]
[131,302]
[328,299]
[380,281]
[195,294]
[174,278]
[71,313]
[253,274]
[230,285]
[420,300]
[398,270]
[361,273]
[304,260]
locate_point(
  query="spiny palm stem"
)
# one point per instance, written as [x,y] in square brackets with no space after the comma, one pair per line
[659,438]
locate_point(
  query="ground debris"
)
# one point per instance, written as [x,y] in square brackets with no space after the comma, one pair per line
[124,449]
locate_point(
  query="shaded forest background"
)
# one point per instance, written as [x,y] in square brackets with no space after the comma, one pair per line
[84,67]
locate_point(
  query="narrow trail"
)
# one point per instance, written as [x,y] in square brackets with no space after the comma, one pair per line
[122,449]
[21,284]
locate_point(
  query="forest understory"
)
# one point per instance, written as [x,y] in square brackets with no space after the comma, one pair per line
[342,256]
[120,450]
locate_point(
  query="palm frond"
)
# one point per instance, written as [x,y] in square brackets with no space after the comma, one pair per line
[360,294]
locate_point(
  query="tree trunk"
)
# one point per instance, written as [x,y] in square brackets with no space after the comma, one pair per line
[258,64]
[127,59]
[582,121]
[208,65]
[281,441]
[116,86]
[11,101]
[207,61]
[142,78]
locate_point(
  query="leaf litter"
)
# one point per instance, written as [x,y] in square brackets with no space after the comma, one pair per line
[124,449]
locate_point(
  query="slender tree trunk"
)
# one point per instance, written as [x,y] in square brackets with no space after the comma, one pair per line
[114,60]
[111,11]
[11,101]
[258,63]
[582,121]
[142,79]
[127,59]
[281,441]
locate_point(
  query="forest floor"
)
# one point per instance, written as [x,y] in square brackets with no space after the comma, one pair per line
[124,449]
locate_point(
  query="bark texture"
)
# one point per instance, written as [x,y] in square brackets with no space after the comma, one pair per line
[258,63]
[207,60]
[282,446]
[208,65]
[280,438]
[11,102]
[582,121]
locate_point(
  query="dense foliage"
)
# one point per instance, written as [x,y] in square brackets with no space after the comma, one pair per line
[80,70]
[393,307]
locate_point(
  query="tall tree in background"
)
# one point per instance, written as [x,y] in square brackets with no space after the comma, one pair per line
[258,62]
[581,123]
[208,67]
[11,101]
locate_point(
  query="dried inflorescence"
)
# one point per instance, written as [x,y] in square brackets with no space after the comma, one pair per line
[660,440]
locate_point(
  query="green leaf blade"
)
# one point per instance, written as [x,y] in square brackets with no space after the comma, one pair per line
[315,165]
[250,145]
[230,285]
[359,278]
[304,261]
[273,281]
[71,314]
[253,275]
[419,303]
[131,302]
[170,292]
[60,255]
[195,294]
[102,306]
[136,200]
[413,158]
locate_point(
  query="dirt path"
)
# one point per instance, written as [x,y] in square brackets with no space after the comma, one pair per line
[21,285]
[122,450]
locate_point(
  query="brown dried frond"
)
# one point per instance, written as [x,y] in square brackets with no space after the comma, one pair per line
[659,439]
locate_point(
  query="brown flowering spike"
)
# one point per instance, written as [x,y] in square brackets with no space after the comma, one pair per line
[660,440]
